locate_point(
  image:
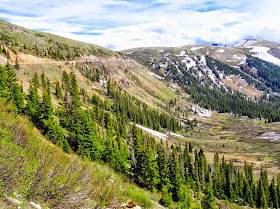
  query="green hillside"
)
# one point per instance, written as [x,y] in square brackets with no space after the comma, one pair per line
[42,44]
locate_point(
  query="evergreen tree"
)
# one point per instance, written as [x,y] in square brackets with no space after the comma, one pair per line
[147,170]
[166,199]
[261,196]
[58,91]
[162,163]
[43,80]
[74,91]
[247,194]
[208,199]
[174,175]
[229,189]
[33,106]
[273,202]
[35,80]
[47,108]
[17,67]
[18,97]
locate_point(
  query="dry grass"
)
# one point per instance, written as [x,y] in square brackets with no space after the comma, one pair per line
[242,87]
[237,139]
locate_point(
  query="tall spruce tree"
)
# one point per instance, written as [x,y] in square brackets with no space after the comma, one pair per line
[174,175]
[33,106]
[58,92]
[208,198]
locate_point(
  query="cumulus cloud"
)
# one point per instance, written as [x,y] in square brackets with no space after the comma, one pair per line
[122,24]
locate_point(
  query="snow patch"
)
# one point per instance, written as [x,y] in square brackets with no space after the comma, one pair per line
[201,111]
[203,59]
[172,89]
[129,52]
[273,136]
[196,48]
[103,81]
[37,206]
[237,57]
[155,75]
[182,53]
[220,51]
[262,53]
[221,74]
[177,135]
[247,42]
[153,132]
[188,61]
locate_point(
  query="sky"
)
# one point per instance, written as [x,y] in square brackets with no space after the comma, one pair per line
[124,24]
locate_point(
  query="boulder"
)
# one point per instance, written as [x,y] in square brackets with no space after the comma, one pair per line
[130,204]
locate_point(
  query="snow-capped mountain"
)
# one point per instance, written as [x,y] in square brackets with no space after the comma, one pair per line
[242,68]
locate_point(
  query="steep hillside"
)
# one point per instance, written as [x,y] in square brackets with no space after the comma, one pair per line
[41,44]
[33,170]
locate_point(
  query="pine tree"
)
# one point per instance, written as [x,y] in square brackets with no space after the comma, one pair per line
[229,189]
[174,175]
[43,80]
[17,67]
[147,170]
[47,108]
[247,194]
[35,80]
[187,165]
[273,202]
[208,199]
[18,97]
[7,81]
[66,88]
[33,106]
[74,91]
[58,91]
[166,199]
[217,182]
[162,163]
[261,196]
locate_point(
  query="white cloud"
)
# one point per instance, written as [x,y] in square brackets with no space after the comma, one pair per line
[126,24]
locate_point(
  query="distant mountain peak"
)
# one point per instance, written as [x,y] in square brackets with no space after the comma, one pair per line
[247,42]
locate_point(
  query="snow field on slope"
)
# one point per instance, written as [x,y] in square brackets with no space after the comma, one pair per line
[262,53]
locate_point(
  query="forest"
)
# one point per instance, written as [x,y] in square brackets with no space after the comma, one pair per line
[106,132]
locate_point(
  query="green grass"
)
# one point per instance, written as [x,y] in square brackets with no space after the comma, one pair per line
[41,172]
[22,39]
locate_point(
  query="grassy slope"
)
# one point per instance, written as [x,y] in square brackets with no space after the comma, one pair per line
[132,76]
[41,172]
[21,38]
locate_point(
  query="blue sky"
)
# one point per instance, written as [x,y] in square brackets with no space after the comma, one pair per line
[123,24]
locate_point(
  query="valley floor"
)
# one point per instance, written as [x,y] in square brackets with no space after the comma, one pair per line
[239,139]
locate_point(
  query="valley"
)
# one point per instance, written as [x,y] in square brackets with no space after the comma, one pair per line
[166,123]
